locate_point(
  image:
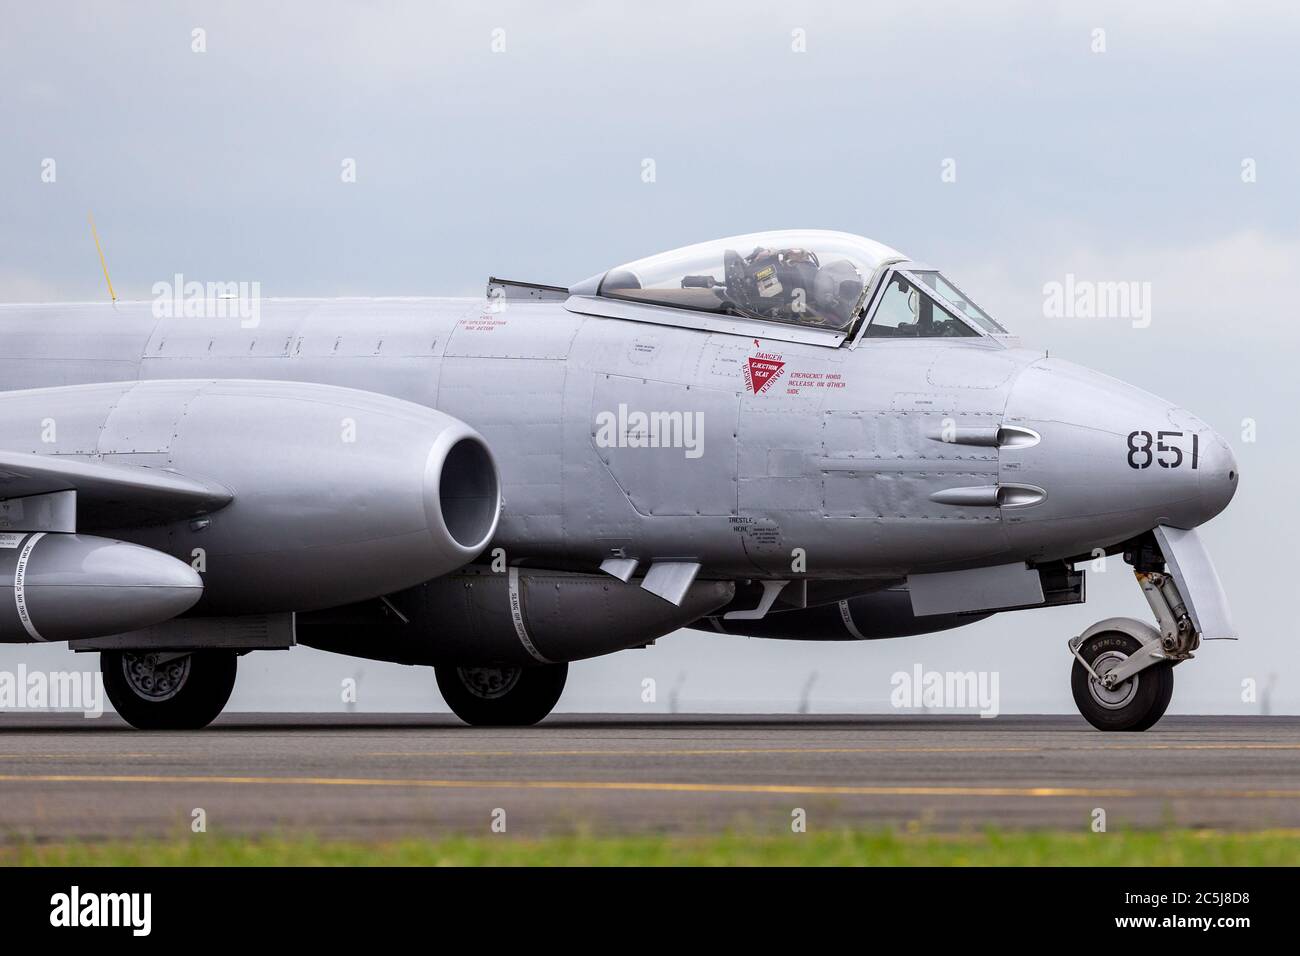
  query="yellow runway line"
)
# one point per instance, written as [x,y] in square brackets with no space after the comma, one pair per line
[692,752]
[97,755]
[656,787]
[751,751]
[701,751]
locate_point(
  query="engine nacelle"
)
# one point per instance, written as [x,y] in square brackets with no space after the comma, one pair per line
[63,587]
[339,494]
[521,616]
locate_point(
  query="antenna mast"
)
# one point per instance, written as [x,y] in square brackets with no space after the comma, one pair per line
[102,263]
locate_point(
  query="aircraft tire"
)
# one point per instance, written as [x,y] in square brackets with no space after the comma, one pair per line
[501,696]
[1134,705]
[185,693]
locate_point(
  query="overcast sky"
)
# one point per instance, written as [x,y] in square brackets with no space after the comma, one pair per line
[1164,149]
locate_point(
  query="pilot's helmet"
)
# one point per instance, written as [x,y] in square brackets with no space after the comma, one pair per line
[795,256]
[837,288]
[776,273]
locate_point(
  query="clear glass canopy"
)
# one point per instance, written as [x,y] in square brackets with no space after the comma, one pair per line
[801,277]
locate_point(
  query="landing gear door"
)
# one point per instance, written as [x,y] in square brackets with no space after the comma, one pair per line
[1198,582]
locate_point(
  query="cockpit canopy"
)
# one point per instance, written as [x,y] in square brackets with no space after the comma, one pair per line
[804,285]
[801,277]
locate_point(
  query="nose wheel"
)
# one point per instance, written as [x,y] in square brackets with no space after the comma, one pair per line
[1123,673]
[1133,703]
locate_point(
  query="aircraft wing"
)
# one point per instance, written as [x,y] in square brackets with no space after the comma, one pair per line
[106,496]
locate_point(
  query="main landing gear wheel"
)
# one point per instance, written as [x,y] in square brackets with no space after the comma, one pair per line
[501,696]
[166,690]
[1137,703]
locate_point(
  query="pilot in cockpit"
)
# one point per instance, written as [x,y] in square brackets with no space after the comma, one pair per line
[811,278]
[786,285]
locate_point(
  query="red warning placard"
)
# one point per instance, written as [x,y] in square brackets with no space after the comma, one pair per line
[762,370]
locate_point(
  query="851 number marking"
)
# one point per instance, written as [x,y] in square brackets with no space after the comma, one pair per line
[1160,448]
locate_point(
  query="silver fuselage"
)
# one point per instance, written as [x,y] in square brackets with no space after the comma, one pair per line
[859,457]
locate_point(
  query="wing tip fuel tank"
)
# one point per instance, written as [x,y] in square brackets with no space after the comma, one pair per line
[59,587]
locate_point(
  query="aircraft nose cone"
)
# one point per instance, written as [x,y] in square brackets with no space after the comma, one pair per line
[1114,461]
[1218,473]
[1200,469]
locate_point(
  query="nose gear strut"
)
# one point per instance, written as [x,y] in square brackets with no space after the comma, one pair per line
[1123,675]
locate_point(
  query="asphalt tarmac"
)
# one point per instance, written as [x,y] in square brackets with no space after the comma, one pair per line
[385,776]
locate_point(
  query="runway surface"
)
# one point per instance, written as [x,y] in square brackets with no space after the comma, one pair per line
[381,776]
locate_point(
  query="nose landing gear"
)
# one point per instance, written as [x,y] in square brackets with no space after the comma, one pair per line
[1123,674]
[1133,703]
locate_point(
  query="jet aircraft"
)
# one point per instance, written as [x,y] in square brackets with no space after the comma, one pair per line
[799,435]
